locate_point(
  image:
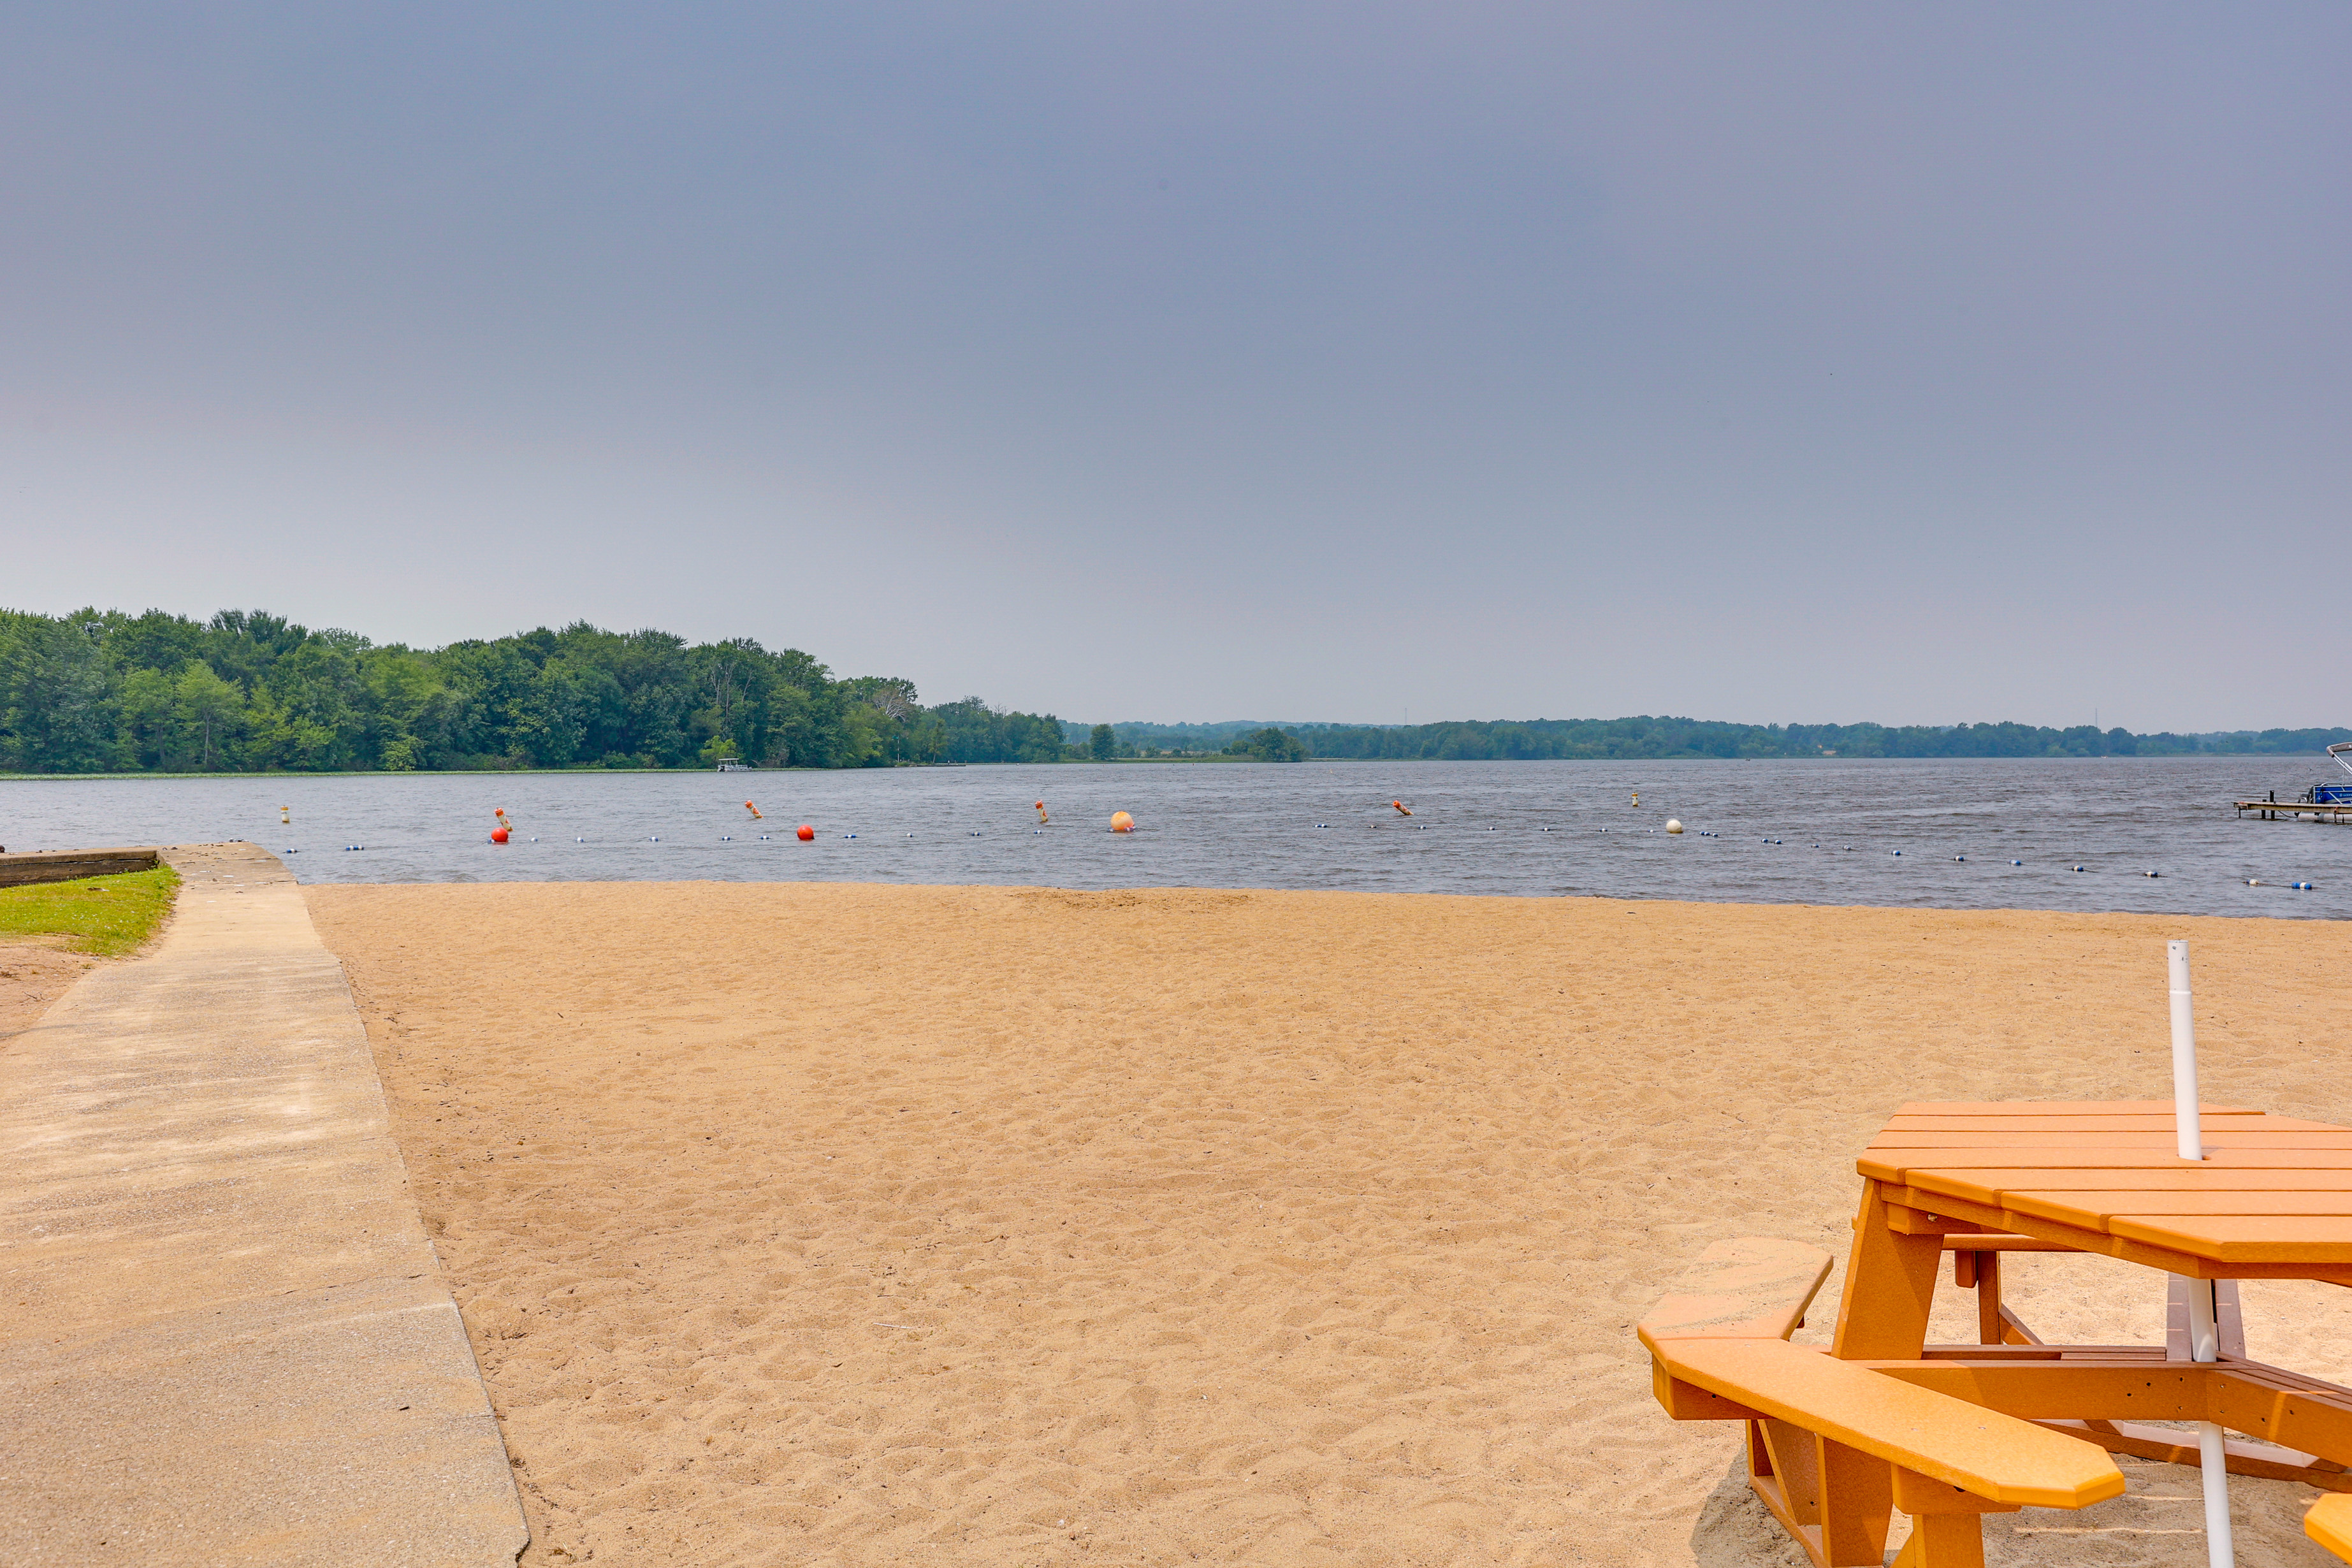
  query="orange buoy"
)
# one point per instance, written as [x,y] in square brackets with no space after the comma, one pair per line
[1121,823]
[1041,812]
[806,833]
[754,811]
[1402,810]
[498,835]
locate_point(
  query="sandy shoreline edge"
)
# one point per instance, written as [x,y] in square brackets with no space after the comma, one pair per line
[841,1223]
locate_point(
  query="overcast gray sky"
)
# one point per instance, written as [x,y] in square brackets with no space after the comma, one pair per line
[1798,364]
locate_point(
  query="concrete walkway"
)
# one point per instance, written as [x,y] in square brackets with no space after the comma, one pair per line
[224,1335]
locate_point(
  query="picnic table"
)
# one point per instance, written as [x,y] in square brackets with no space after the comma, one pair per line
[1832,1458]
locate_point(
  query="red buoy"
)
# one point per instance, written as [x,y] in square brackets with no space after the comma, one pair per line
[498,835]
[806,833]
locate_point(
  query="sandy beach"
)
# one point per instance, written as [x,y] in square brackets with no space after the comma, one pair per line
[809,1224]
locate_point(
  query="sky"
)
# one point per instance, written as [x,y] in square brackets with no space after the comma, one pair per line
[1778,363]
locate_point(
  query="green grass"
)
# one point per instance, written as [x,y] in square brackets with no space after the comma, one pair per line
[104,916]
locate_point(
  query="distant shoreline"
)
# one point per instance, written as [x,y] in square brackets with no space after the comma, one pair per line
[1215,758]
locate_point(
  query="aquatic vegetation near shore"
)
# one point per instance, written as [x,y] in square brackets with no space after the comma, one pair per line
[105,917]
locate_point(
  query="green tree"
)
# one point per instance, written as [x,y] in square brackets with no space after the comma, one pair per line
[405,704]
[1102,743]
[147,719]
[54,713]
[311,709]
[208,715]
[1269,745]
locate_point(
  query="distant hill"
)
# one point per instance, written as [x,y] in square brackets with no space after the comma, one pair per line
[1185,737]
[1647,737]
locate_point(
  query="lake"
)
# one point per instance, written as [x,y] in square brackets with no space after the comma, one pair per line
[1832,831]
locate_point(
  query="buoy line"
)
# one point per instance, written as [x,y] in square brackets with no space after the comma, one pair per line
[504,833]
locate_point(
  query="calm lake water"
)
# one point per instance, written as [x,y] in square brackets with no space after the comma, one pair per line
[1824,832]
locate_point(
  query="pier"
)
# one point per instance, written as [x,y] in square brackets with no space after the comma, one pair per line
[2321,803]
[2279,810]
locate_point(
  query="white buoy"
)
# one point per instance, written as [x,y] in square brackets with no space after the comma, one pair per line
[1674,824]
[2204,1337]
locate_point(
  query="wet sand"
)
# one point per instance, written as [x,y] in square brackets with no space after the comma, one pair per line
[838,1224]
[34,973]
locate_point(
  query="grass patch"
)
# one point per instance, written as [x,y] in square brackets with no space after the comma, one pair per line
[103,916]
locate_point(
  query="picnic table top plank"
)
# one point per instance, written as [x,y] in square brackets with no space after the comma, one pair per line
[2243,1238]
[2060,1108]
[2161,1125]
[1889,1164]
[2071,1206]
[2272,1191]
[1989,1185]
[2222,1137]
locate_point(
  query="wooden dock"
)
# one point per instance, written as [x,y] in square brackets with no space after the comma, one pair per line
[68,865]
[2297,810]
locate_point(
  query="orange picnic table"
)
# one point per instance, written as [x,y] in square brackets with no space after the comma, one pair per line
[2272,1199]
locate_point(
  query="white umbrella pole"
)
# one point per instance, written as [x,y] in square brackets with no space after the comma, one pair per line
[2184,1057]
[2204,1333]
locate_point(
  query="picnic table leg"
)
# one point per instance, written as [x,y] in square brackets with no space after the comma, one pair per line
[1890,1282]
[1947,1528]
[1890,1286]
[1990,1330]
[1837,1501]
[1980,1272]
[1943,1541]
[1857,1504]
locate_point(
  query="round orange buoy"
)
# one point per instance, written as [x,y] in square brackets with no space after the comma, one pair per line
[806,833]
[498,835]
[1121,823]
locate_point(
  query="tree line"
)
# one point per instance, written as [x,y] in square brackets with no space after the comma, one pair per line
[103,692]
[1659,738]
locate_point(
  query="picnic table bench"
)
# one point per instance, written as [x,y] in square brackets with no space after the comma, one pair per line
[1823,1431]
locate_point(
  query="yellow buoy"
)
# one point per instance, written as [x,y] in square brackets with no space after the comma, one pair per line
[1121,823]
[1673,826]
